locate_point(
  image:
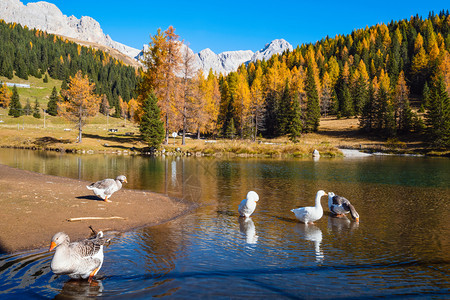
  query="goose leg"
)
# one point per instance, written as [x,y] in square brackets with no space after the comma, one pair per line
[106,199]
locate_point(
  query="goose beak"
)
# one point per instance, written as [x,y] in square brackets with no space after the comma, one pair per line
[357,220]
[125,181]
[52,246]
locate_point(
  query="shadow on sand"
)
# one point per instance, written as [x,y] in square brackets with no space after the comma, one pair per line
[90,197]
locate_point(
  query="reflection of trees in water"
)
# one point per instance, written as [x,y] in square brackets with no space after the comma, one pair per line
[247,227]
[314,234]
[80,289]
[162,248]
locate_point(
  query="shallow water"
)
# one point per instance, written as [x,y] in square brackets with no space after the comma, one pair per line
[400,248]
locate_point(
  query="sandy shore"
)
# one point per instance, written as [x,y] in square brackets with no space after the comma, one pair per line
[33,207]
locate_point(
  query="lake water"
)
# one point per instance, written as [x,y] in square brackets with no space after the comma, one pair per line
[399,249]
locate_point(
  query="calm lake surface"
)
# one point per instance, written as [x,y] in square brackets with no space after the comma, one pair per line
[399,249]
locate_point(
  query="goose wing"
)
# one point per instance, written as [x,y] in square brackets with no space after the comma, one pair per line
[339,200]
[303,213]
[88,247]
[104,184]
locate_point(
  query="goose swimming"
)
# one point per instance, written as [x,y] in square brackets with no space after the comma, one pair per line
[248,205]
[310,214]
[106,187]
[339,206]
[78,260]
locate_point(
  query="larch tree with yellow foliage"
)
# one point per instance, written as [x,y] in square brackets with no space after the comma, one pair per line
[81,102]
[163,62]
[133,109]
[242,103]
[207,102]
[185,103]
[5,96]
[257,104]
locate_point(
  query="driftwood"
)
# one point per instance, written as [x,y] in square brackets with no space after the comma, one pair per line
[94,218]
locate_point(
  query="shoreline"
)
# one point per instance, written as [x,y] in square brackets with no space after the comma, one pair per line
[35,206]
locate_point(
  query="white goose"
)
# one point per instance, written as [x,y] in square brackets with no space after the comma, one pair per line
[340,206]
[248,205]
[81,259]
[106,187]
[310,214]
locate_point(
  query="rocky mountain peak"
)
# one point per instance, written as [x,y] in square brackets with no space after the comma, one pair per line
[47,17]
[277,46]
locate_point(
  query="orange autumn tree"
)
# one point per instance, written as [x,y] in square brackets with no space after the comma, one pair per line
[163,61]
[5,96]
[80,101]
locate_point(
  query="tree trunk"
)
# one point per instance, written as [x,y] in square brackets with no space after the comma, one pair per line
[79,130]
[166,142]
[183,141]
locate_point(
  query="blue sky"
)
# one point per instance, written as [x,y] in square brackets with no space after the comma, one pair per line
[240,25]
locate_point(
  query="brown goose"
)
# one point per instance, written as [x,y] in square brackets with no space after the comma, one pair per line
[106,187]
[340,206]
[78,260]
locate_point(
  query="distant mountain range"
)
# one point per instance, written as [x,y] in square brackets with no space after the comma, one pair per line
[47,17]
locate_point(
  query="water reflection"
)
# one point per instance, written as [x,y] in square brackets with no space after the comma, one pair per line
[247,228]
[341,225]
[80,289]
[314,234]
[400,248]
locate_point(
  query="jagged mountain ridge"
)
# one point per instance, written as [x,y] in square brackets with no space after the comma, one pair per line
[47,17]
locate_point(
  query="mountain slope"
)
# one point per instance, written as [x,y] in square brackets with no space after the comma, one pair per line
[87,31]
[47,17]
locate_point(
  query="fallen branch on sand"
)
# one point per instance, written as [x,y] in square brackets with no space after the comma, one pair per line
[94,218]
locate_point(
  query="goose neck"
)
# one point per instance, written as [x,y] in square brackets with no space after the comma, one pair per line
[318,204]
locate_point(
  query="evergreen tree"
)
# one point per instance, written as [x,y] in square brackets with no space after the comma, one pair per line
[360,95]
[45,78]
[151,126]
[403,112]
[15,108]
[312,106]
[334,103]
[36,110]
[284,114]
[425,97]
[52,106]
[271,109]
[346,102]
[381,109]
[117,109]
[389,121]
[27,108]
[367,118]
[438,115]
[104,106]
[296,125]
[231,130]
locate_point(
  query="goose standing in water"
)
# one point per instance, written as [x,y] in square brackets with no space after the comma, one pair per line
[78,260]
[106,187]
[310,214]
[339,206]
[248,205]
